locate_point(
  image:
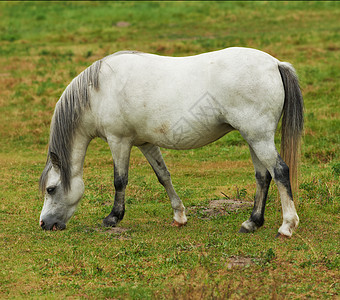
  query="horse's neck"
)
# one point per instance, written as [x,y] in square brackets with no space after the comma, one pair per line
[78,152]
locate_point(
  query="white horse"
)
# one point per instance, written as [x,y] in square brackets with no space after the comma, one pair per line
[149,101]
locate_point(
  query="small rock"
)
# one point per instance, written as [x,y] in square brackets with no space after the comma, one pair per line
[122,24]
[239,262]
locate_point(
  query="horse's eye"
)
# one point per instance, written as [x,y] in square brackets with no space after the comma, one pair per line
[51,190]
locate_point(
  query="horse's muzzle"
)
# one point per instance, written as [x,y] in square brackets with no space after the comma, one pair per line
[52,225]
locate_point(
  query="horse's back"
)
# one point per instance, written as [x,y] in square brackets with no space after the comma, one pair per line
[150,76]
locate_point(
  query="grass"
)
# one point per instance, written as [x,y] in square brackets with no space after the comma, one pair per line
[43,45]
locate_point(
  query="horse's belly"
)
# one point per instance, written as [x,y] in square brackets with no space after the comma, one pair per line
[186,135]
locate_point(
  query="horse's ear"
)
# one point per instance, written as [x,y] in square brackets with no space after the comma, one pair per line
[55,160]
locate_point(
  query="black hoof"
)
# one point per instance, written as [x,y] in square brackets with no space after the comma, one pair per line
[243,230]
[110,221]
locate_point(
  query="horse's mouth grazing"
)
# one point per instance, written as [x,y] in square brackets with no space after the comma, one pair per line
[53,227]
[58,227]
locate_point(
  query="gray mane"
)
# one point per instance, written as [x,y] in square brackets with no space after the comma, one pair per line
[67,113]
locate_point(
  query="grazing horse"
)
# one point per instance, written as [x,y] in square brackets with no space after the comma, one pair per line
[149,101]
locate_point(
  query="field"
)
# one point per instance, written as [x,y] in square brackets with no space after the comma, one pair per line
[43,46]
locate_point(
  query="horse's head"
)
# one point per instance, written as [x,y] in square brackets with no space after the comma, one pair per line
[61,199]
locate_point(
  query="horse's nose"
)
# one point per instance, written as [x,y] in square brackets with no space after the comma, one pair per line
[47,227]
[52,224]
[42,224]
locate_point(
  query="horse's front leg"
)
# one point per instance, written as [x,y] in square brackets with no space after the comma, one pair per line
[121,155]
[155,158]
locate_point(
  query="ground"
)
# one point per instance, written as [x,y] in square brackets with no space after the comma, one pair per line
[44,45]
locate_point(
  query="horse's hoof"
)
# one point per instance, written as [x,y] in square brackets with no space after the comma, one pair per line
[177,224]
[110,222]
[281,236]
[243,230]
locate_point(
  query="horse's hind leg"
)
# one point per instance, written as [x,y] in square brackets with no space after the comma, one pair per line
[154,157]
[263,179]
[267,154]
[121,155]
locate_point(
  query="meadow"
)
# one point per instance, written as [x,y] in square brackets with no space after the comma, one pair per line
[44,45]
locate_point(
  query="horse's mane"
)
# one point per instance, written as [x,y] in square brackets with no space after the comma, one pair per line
[67,113]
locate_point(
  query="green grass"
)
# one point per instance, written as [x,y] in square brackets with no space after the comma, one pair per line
[43,45]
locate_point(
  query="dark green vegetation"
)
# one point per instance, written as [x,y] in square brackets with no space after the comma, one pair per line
[44,45]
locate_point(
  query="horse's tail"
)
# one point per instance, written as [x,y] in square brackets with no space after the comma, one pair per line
[292,120]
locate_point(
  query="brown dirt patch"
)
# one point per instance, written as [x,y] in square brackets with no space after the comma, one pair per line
[229,204]
[219,208]
[118,232]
